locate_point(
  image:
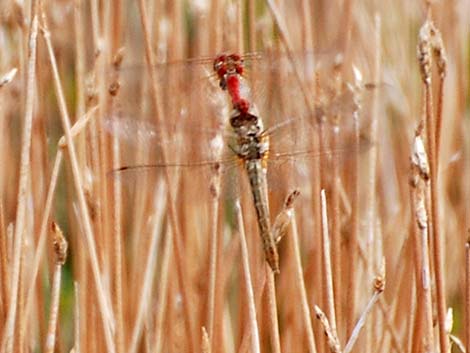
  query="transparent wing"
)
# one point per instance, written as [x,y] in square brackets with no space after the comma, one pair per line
[185,123]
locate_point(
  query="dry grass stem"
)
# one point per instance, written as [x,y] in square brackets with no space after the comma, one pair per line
[60,252]
[419,178]
[106,314]
[156,99]
[379,286]
[299,279]
[8,329]
[328,278]
[76,319]
[332,339]
[467,295]
[272,312]
[429,43]
[150,266]
[205,342]
[121,130]
[255,343]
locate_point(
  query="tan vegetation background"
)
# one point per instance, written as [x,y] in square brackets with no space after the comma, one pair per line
[161,259]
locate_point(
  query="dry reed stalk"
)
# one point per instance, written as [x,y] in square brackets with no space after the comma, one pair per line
[9,328]
[77,347]
[106,314]
[260,286]
[285,38]
[178,249]
[389,324]
[75,130]
[117,236]
[251,15]
[272,312]
[4,255]
[372,134]
[79,42]
[255,340]
[163,292]
[205,342]
[354,241]
[240,47]
[328,279]
[467,296]
[149,276]
[379,287]
[60,253]
[43,233]
[429,42]
[331,337]
[419,177]
[299,279]
[214,249]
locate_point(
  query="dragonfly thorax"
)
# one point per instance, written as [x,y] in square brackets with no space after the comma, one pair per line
[251,144]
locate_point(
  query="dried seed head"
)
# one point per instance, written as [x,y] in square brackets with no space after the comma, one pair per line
[379,282]
[60,244]
[424,53]
[430,44]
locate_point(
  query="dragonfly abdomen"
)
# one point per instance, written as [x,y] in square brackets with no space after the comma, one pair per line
[257,177]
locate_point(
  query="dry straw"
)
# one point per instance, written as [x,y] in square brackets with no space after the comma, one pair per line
[169,259]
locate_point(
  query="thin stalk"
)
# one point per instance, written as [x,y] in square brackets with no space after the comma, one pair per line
[178,247]
[106,314]
[428,43]
[379,287]
[255,340]
[328,279]
[162,297]
[80,73]
[353,243]
[299,279]
[213,250]
[150,265]
[117,255]
[76,319]
[25,170]
[4,275]
[251,26]
[389,324]
[43,232]
[60,253]
[272,312]
[467,295]
[259,290]
[423,330]
[331,337]
[205,342]
[75,130]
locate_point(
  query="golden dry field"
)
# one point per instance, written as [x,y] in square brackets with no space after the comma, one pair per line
[127,221]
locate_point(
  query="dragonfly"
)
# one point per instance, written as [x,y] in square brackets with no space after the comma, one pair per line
[203,109]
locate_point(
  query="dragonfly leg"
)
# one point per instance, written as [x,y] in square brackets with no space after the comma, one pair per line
[283,219]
